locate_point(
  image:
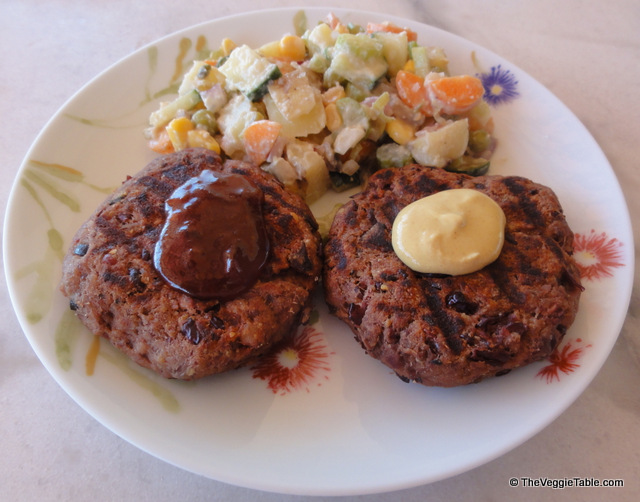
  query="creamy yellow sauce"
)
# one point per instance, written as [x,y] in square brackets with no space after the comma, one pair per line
[452,232]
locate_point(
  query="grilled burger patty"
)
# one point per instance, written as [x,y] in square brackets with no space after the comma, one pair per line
[453,330]
[116,291]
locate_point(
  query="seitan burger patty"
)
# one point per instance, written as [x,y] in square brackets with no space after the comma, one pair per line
[453,330]
[114,288]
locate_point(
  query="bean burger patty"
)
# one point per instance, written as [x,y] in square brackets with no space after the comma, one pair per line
[441,330]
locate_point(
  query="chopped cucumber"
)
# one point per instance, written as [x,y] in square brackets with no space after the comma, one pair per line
[358,59]
[395,49]
[341,182]
[168,112]
[474,166]
[249,72]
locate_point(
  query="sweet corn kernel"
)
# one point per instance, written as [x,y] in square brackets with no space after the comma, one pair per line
[400,131]
[333,94]
[292,47]
[199,138]
[409,66]
[227,46]
[270,50]
[333,117]
[178,132]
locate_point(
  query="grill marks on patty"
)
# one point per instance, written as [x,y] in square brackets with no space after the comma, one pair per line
[444,330]
[114,288]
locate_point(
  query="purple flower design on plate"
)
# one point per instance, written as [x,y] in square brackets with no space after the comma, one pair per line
[500,86]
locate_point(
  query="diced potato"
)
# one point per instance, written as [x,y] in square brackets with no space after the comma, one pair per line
[320,38]
[282,170]
[310,166]
[347,138]
[440,146]
[293,94]
[304,125]
[233,119]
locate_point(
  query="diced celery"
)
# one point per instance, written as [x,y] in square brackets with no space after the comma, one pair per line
[352,113]
[420,57]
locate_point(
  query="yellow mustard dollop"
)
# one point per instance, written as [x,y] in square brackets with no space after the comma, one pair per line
[452,232]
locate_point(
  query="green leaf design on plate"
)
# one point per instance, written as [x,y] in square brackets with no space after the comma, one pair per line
[165,396]
[53,189]
[47,178]
[66,335]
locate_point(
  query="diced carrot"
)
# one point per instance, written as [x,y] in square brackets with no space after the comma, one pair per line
[161,143]
[412,91]
[332,20]
[335,24]
[456,94]
[388,27]
[259,138]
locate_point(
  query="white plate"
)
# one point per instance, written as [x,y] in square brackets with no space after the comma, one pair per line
[351,427]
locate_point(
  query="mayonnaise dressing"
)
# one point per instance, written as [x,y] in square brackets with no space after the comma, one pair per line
[452,232]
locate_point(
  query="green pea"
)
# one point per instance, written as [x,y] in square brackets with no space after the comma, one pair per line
[206,120]
[479,141]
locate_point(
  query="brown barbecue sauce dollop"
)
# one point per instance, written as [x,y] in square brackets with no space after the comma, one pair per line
[214,242]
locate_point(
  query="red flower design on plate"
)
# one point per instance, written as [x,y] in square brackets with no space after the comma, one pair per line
[295,363]
[596,255]
[562,361]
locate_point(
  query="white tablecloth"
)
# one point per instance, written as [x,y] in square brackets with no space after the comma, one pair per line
[586,53]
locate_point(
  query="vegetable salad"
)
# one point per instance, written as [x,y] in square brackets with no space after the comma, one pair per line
[323,109]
